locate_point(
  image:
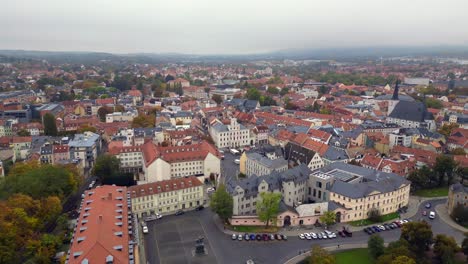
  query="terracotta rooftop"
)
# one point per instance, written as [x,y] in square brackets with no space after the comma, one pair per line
[164,186]
[102,230]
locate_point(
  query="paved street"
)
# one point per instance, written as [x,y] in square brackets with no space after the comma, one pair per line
[221,247]
[172,239]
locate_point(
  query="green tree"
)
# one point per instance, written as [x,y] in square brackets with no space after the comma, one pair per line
[464,246]
[447,129]
[445,248]
[328,218]
[376,247]
[50,127]
[284,91]
[418,235]
[374,215]
[217,98]
[268,207]
[272,90]
[39,181]
[458,151]
[221,203]
[403,260]
[460,214]
[252,94]
[434,103]
[318,255]
[394,250]
[107,169]
[23,133]
[420,178]
[444,168]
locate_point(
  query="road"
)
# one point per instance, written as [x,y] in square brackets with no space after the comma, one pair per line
[228,251]
[225,250]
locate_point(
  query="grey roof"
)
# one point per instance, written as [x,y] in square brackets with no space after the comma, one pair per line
[266,162]
[274,180]
[365,182]
[459,188]
[413,111]
[298,154]
[335,154]
[84,140]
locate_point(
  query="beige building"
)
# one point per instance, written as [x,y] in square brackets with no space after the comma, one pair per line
[257,164]
[121,116]
[458,195]
[233,135]
[166,197]
[359,190]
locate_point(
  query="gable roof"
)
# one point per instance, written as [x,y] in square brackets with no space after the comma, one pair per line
[413,111]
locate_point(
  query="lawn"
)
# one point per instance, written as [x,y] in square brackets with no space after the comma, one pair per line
[366,222]
[253,229]
[434,192]
[359,255]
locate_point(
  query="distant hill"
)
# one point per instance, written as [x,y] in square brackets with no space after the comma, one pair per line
[295,54]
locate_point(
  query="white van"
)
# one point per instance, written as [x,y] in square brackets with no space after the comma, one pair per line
[237,161]
[432,215]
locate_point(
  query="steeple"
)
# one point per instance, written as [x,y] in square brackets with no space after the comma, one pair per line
[395,92]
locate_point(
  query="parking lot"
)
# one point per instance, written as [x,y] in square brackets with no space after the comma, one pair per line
[174,241]
[229,169]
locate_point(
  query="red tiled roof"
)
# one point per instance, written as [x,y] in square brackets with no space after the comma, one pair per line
[371,161]
[164,186]
[102,228]
[319,134]
[61,148]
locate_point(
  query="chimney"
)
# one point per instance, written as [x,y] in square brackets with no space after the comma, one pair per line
[109,196]
[100,218]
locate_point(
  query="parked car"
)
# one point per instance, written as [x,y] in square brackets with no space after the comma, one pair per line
[428,205]
[313,235]
[277,236]
[234,236]
[319,235]
[199,208]
[368,230]
[258,237]
[324,236]
[265,237]
[347,233]
[252,236]
[424,213]
[397,223]
[239,237]
[432,215]
[341,234]
[180,212]
[246,237]
[307,236]
[272,237]
[381,227]
[284,237]
[376,229]
[301,236]
[145,230]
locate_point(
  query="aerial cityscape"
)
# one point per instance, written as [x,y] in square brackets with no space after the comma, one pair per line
[309,132]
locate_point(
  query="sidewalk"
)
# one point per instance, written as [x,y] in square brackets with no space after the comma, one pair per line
[442,212]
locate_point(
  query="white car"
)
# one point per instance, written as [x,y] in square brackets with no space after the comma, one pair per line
[158,216]
[432,215]
[210,190]
[313,235]
[324,235]
[301,236]
[237,161]
[145,230]
[239,237]
[331,235]
[307,236]
[234,237]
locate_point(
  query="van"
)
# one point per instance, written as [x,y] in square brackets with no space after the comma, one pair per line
[432,215]
[237,161]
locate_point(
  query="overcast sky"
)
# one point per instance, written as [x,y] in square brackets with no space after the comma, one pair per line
[229,27]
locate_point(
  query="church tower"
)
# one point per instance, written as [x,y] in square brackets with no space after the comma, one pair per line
[392,103]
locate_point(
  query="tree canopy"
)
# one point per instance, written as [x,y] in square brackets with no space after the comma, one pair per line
[418,235]
[268,207]
[50,127]
[221,203]
[318,255]
[40,181]
[328,218]
[107,169]
[376,247]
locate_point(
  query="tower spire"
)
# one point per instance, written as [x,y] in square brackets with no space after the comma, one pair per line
[395,92]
